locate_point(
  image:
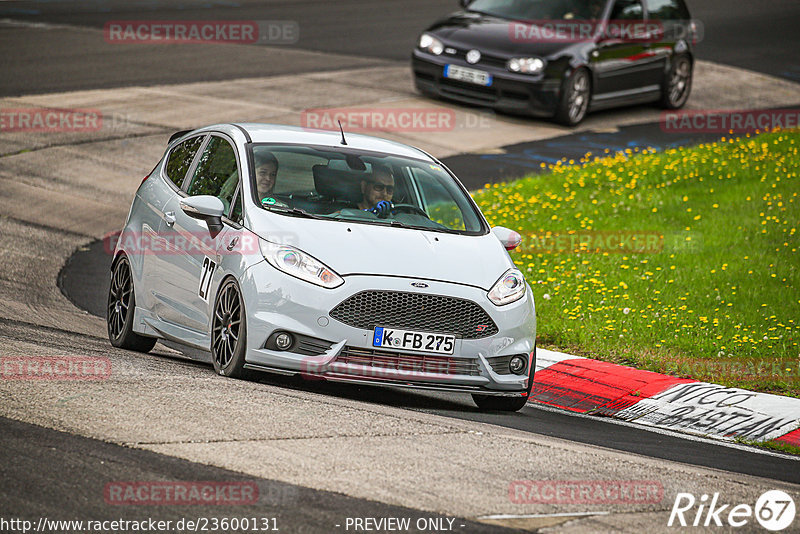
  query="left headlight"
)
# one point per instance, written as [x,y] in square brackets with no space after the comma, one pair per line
[431,44]
[297,263]
[510,288]
[526,65]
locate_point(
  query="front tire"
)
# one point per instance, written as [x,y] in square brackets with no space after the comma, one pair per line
[120,311]
[491,403]
[229,332]
[677,84]
[576,93]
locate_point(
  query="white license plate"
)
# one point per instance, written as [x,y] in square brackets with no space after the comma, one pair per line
[417,341]
[465,74]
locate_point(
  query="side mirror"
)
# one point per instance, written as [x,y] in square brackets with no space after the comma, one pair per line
[509,238]
[205,208]
[464,3]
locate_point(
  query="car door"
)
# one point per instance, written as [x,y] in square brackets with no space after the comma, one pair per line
[623,61]
[189,269]
[156,194]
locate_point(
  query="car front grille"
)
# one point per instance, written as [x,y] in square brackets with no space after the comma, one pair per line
[415,311]
[418,363]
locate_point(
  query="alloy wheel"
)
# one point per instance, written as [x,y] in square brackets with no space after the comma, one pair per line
[679,82]
[227,325]
[119,298]
[578,97]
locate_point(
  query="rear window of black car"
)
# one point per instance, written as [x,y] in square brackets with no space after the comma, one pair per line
[667,10]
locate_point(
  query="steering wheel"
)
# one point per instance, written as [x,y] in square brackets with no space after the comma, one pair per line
[409,208]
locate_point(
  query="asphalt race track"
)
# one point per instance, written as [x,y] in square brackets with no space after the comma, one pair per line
[319,453]
[751,35]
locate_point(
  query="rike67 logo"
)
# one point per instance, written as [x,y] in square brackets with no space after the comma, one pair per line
[774,511]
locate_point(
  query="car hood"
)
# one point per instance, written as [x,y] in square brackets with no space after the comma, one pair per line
[491,35]
[358,248]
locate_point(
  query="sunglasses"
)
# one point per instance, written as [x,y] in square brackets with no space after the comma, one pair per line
[379,187]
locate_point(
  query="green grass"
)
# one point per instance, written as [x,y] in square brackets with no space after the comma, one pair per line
[715,299]
[772,445]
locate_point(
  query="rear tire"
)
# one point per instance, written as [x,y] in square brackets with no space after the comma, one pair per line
[229,332]
[120,311]
[677,84]
[576,93]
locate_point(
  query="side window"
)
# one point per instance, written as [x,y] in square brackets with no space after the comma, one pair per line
[217,173]
[438,202]
[180,159]
[627,10]
[236,211]
[667,10]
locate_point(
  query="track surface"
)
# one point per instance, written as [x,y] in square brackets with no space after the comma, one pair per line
[79,468]
[51,59]
[752,35]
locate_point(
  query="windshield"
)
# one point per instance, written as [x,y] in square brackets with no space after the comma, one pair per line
[540,9]
[369,188]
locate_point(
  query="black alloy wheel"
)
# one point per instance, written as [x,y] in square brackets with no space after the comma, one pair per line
[120,311]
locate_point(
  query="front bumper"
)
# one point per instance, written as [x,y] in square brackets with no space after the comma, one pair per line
[516,93]
[274,301]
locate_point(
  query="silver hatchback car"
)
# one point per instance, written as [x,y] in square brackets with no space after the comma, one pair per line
[337,256]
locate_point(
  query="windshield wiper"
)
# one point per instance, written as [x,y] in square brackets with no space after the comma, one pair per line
[295,212]
[399,224]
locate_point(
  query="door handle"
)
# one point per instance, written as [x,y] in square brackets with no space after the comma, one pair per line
[169,218]
[233,243]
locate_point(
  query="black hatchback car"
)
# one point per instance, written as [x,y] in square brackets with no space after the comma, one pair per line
[559,58]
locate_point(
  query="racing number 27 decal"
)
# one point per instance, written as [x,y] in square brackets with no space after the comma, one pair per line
[207,274]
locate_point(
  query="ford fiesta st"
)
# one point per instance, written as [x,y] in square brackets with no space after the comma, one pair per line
[343,257]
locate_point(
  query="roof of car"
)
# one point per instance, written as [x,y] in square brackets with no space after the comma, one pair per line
[278,133]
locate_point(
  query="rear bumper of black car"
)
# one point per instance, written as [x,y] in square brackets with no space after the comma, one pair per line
[514,93]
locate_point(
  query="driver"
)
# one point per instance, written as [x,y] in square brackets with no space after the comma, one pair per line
[377,191]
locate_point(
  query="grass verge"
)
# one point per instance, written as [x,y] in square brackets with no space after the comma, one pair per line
[683,262]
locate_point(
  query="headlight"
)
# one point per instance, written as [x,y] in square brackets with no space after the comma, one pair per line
[510,288]
[431,44]
[526,65]
[297,263]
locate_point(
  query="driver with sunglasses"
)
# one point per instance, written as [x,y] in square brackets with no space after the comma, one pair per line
[377,192]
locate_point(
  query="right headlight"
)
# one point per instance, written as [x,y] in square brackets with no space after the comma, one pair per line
[510,288]
[525,65]
[431,44]
[297,263]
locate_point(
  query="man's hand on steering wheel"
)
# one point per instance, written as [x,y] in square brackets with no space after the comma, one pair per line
[382,209]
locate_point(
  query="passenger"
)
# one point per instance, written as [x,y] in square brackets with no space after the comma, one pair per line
[266,174]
